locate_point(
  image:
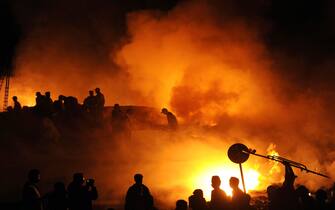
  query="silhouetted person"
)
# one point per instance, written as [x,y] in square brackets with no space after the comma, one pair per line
[246,203]
[48,103]
[31,194]
[219,199]
[100,104]
[332,197]
[100,98]
[197,200]
[138,196]
[181,205]
[117,118]
[58,105]
[320,200]
[287,193]
[306,202]
[81,193]
[273,197]
[238,196]
[58,199]
[48,98]
[17,105]
[39,103]
[39,98]
[171,118]
[90,102]
[120,122]
[71,106]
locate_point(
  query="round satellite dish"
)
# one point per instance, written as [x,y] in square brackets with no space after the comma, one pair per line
[236,154]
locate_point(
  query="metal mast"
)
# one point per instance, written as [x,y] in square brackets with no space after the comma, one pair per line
[5,79]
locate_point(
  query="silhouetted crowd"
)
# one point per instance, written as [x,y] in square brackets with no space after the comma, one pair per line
[81,193]
[91,110]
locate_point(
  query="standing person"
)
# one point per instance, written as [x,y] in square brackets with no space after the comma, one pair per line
[219,199]
[171,118]
[120,123]
[288,198]
[306,202]
[17,105]
[138,196]
[273,193]
[197,200]
[39,98]
[90,102]
[39,103]
[321,200]
[81,194]
[100,104]
[58,105]
[31,194]
[48,103]
[100,98]
[238,197]
[58,199]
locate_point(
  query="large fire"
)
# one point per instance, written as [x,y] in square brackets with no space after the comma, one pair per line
[203,180]
[218,78]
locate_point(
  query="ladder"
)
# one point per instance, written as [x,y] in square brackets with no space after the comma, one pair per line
[6,80]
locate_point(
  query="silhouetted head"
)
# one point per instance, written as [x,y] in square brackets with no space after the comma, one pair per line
[321,195]
[15,98]
[97,90]
[38,94]
[234,182]
[78,178]
[34,176]
[59,187]
[116,107]
[91,93]
[198,193]
[48,94]
[216,182]
[61,97]
[181,205]
[302,191]
[164,111]
[138,178]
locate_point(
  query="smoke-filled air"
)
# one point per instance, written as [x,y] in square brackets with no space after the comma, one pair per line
[205,63]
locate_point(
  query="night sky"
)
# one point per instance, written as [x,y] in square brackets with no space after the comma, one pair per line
[299,34]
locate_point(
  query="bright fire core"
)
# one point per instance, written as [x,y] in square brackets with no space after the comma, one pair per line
[203,180]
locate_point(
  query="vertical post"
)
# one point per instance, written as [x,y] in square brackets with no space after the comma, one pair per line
[242,177]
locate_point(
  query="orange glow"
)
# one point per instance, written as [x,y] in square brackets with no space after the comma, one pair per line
[203,180]
[219,81]
[271,150]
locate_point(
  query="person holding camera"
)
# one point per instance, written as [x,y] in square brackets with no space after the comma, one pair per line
[82,193]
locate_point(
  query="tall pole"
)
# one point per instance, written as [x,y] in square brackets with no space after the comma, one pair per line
[242,177]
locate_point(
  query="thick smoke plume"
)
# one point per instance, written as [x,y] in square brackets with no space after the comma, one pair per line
[207,63]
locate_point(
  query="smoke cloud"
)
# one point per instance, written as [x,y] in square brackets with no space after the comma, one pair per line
[220,66]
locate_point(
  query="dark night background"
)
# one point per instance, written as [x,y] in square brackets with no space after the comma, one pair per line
[299,34]
[298,37]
